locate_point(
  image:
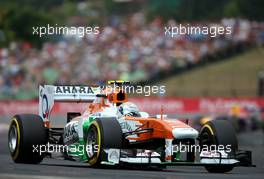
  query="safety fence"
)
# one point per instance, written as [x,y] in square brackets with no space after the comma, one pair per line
[152,105]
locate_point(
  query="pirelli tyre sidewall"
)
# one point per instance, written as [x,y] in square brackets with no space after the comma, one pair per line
[94,130]
[219,132]
[26,131]
[108,134]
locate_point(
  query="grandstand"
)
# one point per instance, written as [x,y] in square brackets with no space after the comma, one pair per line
[134,51]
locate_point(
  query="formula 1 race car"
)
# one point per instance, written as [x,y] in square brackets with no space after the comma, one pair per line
[112,131]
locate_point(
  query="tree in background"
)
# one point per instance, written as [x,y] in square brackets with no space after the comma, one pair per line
[17,19]
[206,9]
[18,24]
[251,9]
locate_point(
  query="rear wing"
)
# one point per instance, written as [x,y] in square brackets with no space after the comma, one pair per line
[48,94]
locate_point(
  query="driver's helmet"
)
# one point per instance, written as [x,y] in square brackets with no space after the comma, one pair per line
[128,109]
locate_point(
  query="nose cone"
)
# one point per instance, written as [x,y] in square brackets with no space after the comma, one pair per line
[183,133]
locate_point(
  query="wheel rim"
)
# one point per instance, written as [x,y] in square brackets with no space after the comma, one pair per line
[12,139]
[92,141]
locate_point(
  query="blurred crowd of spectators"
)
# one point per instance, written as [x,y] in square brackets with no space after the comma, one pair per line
[131,50]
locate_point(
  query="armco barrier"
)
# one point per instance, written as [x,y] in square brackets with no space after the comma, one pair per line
[153,105]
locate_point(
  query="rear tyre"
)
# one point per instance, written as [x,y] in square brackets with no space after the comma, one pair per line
[26,132]
[219,132]
[103,133]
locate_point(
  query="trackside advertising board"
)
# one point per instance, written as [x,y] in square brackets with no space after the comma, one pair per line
[152,105]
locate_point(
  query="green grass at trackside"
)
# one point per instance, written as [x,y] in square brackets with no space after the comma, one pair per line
[236,76]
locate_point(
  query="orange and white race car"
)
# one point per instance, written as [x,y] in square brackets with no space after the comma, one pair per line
[113,131]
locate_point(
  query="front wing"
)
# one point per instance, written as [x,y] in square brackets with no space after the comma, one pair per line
[151,158]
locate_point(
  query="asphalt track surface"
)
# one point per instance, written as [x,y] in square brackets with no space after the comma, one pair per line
[58,169]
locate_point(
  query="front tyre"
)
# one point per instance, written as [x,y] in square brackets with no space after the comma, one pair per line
[94,143]
[219,132]
[103,133]
[26,131]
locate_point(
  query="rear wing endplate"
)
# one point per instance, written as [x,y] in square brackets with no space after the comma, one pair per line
[49,93]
